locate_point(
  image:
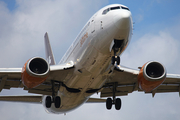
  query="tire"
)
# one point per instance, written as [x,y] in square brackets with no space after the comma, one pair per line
[57,102]
[109,103]
[113,60]
[118,104]
[48,102]
[118,60]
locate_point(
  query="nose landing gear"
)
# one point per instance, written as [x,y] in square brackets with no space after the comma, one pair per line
[116,47]
[115,59]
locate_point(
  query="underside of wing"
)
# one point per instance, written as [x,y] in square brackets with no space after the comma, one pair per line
[26,99]
[96,100]
[12,78]
[37,74]
[171,84]
[123,79]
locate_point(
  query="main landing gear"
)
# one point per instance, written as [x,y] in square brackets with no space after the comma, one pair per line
[115,101]
[54,99]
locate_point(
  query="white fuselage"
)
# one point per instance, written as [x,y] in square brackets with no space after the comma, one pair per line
[91,53]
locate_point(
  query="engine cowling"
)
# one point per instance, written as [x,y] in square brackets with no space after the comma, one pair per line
[151,75]
[34,72]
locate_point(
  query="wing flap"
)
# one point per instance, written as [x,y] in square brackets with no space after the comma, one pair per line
[96,100]
[171,84]
[12,73]
[27,99]
[125,80]
[124,75]
[10,77]
[121,90]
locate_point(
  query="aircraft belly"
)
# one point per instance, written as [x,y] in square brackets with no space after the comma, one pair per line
[92,65]
[68,104]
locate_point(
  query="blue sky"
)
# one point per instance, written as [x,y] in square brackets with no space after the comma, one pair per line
[155,37]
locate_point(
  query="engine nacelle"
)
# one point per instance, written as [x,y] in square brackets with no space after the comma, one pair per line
[151,75]
[34,72]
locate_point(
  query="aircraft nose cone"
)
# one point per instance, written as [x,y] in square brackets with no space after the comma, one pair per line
[122,19]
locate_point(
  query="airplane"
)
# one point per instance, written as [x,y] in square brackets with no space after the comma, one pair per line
[90,65]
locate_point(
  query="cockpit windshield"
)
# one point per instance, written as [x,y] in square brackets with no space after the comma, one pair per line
[125,8]
[114,8]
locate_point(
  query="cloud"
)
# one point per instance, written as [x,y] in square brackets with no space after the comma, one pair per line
[161,46]
[21,37]
[22,30]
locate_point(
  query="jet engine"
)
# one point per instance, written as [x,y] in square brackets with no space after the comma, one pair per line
[34,72]
[151,75]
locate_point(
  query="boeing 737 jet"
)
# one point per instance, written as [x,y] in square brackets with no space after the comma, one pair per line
[90,65]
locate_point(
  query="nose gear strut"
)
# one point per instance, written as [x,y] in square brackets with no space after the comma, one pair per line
[116,47]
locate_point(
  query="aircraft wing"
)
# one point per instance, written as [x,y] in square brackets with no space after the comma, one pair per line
[126,80]
[25,99]
[11,78]
[38,99]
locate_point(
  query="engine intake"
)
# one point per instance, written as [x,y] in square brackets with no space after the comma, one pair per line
[38,66]
[151,75]
[35,72]
[154,70]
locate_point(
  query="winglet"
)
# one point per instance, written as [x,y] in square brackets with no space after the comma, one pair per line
[49,54]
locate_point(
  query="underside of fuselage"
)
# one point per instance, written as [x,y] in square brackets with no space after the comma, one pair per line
[102,40]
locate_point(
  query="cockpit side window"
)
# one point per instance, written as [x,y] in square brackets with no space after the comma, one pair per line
[125,8]
[114,8]
[105,11]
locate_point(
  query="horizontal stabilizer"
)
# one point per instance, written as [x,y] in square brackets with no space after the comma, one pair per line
[26,99]
[96,100]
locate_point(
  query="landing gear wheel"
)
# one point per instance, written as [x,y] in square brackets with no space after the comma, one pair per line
[118,60]
[109,103]
[115,59]
[48,102]
[118,103]
[57,101]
